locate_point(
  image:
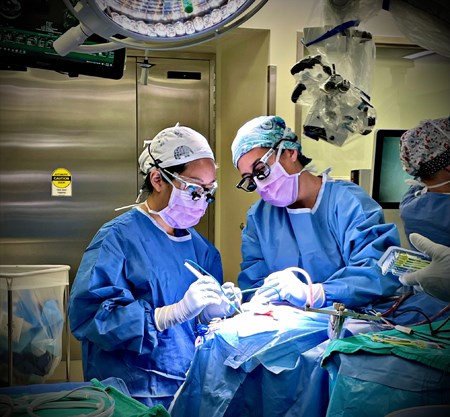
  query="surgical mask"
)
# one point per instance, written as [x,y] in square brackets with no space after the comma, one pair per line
[182,211]
[279,189]
[425,186]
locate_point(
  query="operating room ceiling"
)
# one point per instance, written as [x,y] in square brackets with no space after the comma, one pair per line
[426,23]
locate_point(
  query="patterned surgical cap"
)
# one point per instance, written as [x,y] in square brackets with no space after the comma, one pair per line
[174,146]
[262,132]
[425,149]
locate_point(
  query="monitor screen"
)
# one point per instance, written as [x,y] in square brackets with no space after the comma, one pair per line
[28,29]
[388,181]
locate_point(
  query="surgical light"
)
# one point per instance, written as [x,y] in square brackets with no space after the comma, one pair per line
[150,24]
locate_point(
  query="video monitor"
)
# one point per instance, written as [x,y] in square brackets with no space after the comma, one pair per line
[28,29]
[388,180]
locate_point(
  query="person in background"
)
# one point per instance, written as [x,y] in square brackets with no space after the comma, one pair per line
[425,155]
[134,305]
[331,229]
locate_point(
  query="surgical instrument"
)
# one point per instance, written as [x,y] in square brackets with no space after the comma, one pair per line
[188,264]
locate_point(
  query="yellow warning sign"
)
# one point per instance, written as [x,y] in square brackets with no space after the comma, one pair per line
[61,178]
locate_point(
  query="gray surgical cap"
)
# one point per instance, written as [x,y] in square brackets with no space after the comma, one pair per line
[263,132]
[174,146]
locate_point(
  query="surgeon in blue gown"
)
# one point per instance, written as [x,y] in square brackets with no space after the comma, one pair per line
[425,155]
[333,231]
[134,305]
[330,228]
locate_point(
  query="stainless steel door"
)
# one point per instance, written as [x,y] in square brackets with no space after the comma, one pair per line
[86,125]
[95,129]
[177,90]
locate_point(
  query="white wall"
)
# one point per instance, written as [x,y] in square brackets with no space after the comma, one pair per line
[242,59]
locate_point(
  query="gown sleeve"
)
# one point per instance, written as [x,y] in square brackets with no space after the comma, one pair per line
[363,237]
[253,267]
[102,300]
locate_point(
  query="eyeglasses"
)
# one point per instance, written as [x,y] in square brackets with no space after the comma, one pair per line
[196,191]
[261,169]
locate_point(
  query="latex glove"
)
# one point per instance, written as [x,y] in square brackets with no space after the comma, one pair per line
[224,309]
[201,293]
[434,279]
[256,303]
[287,286]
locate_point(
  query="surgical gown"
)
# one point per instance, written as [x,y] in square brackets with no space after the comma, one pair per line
[338,242]
[427,214]
[130,268]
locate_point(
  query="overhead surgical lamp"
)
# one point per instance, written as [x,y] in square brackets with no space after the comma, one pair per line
[152,25]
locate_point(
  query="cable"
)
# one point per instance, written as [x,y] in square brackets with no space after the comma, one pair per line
[103,404]
[263,287]
[434,317]
[397,303]
[427,337]
[428,320]
[442,325]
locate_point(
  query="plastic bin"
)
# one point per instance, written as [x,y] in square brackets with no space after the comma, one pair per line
[32,318]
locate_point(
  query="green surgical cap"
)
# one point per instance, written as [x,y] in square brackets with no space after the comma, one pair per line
[263,132]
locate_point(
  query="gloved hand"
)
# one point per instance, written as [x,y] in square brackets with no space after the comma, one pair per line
[285,285]
[434,279]
[200,294]
[224,309]
[256,303]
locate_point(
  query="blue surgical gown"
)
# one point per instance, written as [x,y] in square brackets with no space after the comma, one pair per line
[427,214]
[338,242]
[130,268]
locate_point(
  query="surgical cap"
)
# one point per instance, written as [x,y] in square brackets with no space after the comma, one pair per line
[262,132]
[425,149]
[174,146]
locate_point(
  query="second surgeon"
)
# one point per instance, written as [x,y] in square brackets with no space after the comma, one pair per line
[330,228]
[133,304]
